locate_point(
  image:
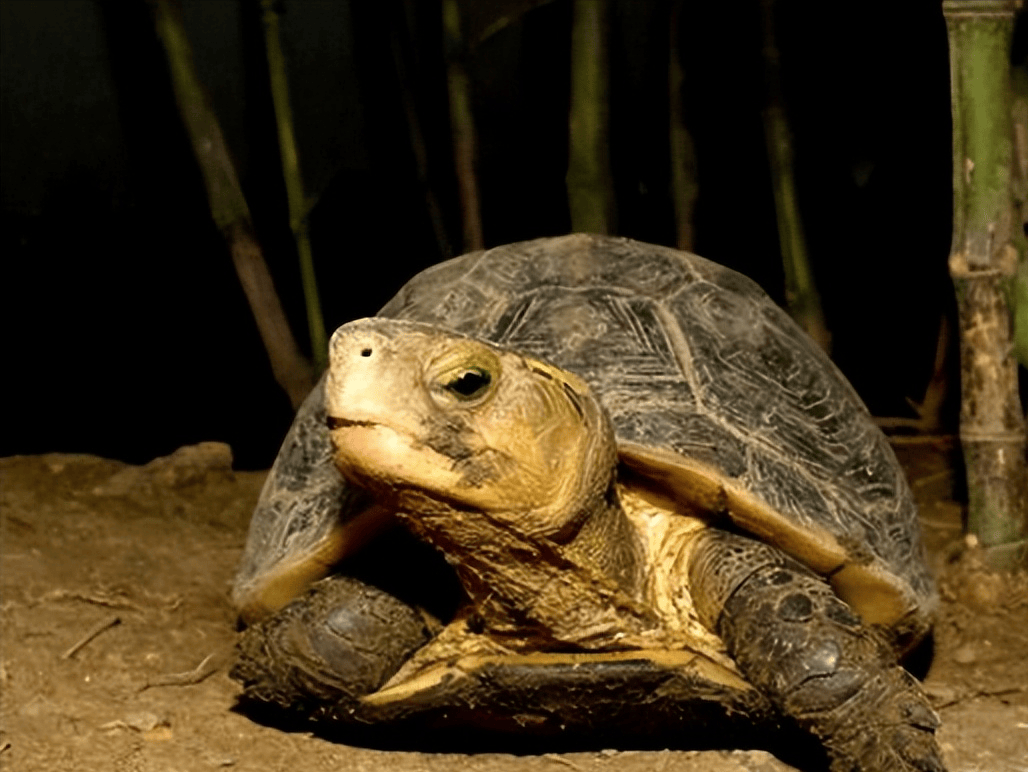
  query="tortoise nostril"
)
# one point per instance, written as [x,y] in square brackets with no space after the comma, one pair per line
[365,352]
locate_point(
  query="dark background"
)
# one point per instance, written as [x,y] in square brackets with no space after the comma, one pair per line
[124,330]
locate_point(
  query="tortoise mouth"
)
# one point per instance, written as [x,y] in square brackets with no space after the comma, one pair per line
[335,422]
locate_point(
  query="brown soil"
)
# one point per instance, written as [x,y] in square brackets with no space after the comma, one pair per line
[143,557]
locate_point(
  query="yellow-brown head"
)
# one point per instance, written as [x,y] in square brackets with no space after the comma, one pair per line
[425,419]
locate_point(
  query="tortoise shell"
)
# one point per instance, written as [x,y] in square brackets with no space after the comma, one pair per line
[715,394]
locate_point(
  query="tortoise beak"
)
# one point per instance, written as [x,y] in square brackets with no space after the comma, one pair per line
[369,380]
[334,422]
[377,404]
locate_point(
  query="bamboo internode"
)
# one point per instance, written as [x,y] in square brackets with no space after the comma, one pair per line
[982,264]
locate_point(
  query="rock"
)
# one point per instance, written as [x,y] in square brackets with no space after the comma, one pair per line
[142,721]
[189,465]
[965,655]
[940,694]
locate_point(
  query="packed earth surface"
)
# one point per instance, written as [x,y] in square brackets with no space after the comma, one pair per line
[117,633]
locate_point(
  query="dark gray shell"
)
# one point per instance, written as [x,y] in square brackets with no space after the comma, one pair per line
[686,356]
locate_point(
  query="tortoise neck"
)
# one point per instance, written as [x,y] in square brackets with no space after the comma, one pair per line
[607,542]
[580,592]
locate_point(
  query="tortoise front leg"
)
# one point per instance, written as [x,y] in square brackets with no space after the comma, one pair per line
[320,654]
[796,641]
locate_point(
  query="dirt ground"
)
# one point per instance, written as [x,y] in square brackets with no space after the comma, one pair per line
[116,631]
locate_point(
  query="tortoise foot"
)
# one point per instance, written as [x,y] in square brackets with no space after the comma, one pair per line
[887,725]
[340,641]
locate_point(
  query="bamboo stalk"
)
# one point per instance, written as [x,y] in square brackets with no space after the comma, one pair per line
[684,183]
[462,126]
[228,206]
[800,288]
[1019,187]
[982,262]
[294,181]
[590,198]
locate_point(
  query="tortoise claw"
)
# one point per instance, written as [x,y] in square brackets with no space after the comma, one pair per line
[887,726]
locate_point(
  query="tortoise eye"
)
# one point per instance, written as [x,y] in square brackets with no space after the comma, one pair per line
[469,383]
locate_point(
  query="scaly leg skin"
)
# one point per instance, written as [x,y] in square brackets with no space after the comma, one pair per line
[801,645]
[320,654]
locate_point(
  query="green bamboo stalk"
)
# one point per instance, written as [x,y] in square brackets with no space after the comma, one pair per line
[801,293]
[462,126]
[1020,305]
[228,206]
[590,197]
[684,183]
[294,181]
[1019,187]
[982,263]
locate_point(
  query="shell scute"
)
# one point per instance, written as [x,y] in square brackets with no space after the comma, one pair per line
[654,272]
[593,332]
[787,490]
[690,434]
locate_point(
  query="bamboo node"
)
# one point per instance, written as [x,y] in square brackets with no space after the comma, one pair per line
[990,437]
[1003,265]
[978,9]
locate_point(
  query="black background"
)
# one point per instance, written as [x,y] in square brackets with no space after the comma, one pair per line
[125,332]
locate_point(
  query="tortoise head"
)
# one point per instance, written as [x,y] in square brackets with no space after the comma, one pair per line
[431,422]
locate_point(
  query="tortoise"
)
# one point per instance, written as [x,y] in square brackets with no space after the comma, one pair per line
[661,509]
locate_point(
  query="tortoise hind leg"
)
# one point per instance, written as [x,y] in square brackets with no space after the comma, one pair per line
[795,640]
[321,653]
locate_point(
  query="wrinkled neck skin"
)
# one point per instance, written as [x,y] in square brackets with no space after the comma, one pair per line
[580,590]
